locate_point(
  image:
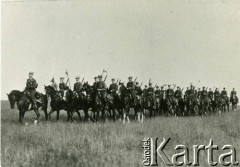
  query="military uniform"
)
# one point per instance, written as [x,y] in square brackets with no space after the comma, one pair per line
[210,94]
[178,94]
[169,93]
[204,93]
[224,93]
[131,88]
[62,86]
[157,92]
[113,88]
[138,90]
[216,94]
[31,86]
[77,87]
[150,91]
[101,87]
[233,93]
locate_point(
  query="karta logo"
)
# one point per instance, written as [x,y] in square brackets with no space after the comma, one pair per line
[154,152]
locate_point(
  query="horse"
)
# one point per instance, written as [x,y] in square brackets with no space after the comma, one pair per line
[192,105]
[169,107]
[129,102]
[88,101]
[57,102]
[180,108]
[98,105]
[148,104]
[112,101]
[205,106]
[24,103]
[234,101]
[224,103]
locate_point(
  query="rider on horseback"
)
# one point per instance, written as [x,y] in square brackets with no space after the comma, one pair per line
[78,85]
[131,88]
[233,93]
[62,86]
[150,91]
[113,88]
[224,93]
[101,87]
[31,86]
[138,89]
[170,93]
[178,93]
[210,94]
[216,94]
[204,93]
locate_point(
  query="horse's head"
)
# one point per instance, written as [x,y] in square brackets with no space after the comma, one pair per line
[12,100]
[67,95]
[49,89]
[13,97]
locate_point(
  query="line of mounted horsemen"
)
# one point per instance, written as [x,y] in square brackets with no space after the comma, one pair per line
[118,99]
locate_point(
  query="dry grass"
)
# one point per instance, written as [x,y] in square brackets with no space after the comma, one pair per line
[63,144]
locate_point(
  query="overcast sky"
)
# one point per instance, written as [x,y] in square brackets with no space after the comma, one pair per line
[175,42]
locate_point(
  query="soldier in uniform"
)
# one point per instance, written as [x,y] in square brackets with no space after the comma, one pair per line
[233,93]
[101,87]
[113,88]
[199,93]
[53,84]
[145,90]
[162,92]
[224,93]
[187,92]
[95,82]
[157,92]
[204,93]
[191,91]
[178,93]
[31,86]
[131,88]
[169,92]
[62,85]
[150,91]
[138,89]
[210,93]
[78,85]
[216,93]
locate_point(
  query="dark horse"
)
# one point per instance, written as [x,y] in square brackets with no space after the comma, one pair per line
[24,103]
[148,104]
[57,102]
[234,101]
[129,102]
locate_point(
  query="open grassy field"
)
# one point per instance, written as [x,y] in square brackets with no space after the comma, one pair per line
[63,144]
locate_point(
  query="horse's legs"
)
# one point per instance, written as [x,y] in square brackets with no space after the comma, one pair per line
[49,115]
[79,115]
[46,114]
[58,111]
[38,115]
[21,116]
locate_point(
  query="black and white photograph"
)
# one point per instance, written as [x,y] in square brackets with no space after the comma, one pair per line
[120,83]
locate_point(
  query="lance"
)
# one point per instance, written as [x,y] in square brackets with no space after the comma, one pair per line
[82,80]
[117,80]
[105,78]
[104,71]
[68,80]
[135,79]
[141,84]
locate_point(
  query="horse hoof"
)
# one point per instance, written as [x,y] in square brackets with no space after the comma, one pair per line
[35,122]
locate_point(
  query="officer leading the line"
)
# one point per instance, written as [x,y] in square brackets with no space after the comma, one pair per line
[31,86]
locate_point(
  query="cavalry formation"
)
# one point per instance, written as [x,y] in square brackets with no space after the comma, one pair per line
[99,101]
